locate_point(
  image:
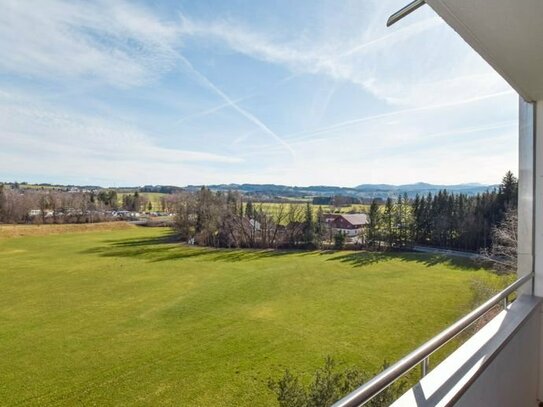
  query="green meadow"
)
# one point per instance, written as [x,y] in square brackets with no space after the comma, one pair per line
[273,208]
[129,317]
[153,197]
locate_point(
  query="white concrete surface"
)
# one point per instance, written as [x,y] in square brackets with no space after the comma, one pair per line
[506,33]
[497,367]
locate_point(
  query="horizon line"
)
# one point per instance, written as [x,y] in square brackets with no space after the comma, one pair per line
[479,184]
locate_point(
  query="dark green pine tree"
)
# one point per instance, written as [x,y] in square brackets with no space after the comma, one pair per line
[417,208]
[509,191]
[388,222]
[401,219]
[373,225]
[249,210]
[320,228]
[309,226]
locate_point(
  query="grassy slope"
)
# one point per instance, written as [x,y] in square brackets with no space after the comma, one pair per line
[122,318]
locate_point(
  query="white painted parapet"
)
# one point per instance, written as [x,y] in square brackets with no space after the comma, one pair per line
[497,367]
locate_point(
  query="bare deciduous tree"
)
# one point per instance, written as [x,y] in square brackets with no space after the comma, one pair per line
[503,252]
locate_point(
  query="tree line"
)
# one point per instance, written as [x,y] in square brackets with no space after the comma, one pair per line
[220,219]
[228,219]
[29,205]
[443,219]
[448,220]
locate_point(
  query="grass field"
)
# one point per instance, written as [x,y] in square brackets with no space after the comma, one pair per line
[273,208]
[10,231]
[153,197]
[124,317]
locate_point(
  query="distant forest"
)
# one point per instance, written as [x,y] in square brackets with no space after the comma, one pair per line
[444,219]
[456,220]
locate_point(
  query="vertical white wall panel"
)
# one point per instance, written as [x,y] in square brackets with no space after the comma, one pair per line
[526,190]
[538,200]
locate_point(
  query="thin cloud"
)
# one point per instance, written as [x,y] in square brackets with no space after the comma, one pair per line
[299,136]
[395,36]
[222,106]
[39,131]
[214,109]
[230,102]
[394,144]
[302,137]
[373,65]
[112,97]
[85,40]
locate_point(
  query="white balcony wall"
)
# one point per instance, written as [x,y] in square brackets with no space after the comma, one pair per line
[511,379]
[496,367]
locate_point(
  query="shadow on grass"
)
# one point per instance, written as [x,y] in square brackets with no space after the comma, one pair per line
[359,259]
[137,242]
[164,248]
[167,247]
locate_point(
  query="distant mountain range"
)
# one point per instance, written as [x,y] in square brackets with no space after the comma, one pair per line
[360,191]
[274,191]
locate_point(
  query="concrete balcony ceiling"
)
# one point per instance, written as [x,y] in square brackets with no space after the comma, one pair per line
[508,34]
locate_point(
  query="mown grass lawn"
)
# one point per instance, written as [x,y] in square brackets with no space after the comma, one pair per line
[123,317]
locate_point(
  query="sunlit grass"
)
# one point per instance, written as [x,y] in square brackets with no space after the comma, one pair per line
[129,317]
[9,231]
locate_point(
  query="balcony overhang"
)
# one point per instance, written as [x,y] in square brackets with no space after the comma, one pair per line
[507,34]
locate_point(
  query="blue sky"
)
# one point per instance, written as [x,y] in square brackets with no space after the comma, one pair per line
[288,92]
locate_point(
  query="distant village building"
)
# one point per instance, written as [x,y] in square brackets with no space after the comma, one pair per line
[38,212]
[350,224]
[126,215]
[251,224]
[254,224]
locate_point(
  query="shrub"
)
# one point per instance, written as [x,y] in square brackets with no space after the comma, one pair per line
[339,241]
[328,385]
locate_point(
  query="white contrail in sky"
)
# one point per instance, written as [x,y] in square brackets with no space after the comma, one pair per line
[232,103]
[399,35]
[210,110]
[307,134]
[229,104]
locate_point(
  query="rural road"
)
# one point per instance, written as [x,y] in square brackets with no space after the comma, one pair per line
[458,253]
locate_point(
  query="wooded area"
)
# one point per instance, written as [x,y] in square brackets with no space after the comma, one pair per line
[448,220]
[454,221]
[52,205]
[231,219]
